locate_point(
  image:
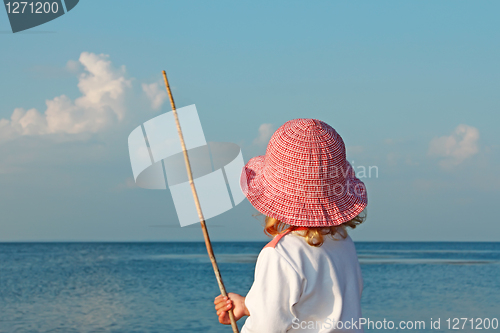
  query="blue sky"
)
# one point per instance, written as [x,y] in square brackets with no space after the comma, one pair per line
[411,86]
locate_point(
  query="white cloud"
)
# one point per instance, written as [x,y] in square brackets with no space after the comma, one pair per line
[457,147]
[156,94]
[103,88]
[265,132]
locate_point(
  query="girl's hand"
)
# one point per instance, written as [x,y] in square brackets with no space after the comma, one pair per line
[231,301]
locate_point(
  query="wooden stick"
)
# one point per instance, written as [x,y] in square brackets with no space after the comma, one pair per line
[198,207]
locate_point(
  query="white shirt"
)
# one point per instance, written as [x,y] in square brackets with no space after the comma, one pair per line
[301,288]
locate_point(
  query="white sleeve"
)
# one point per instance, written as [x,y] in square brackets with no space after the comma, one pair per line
[277,287]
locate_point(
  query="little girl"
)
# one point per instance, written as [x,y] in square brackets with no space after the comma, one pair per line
[307,279]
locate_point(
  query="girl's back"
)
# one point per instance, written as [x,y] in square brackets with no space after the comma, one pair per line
[309,289]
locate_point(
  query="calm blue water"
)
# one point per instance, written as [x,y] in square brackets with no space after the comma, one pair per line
[169,287]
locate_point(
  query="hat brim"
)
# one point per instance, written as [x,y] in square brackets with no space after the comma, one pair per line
[298,211]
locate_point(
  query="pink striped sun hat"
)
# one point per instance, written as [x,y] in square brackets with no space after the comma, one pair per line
[304,179]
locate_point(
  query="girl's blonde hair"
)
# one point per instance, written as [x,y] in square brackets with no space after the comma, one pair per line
[313,235]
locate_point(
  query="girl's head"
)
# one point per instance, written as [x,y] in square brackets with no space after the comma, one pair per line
[305,180]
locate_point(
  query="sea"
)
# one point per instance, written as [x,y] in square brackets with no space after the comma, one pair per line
[170,287]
